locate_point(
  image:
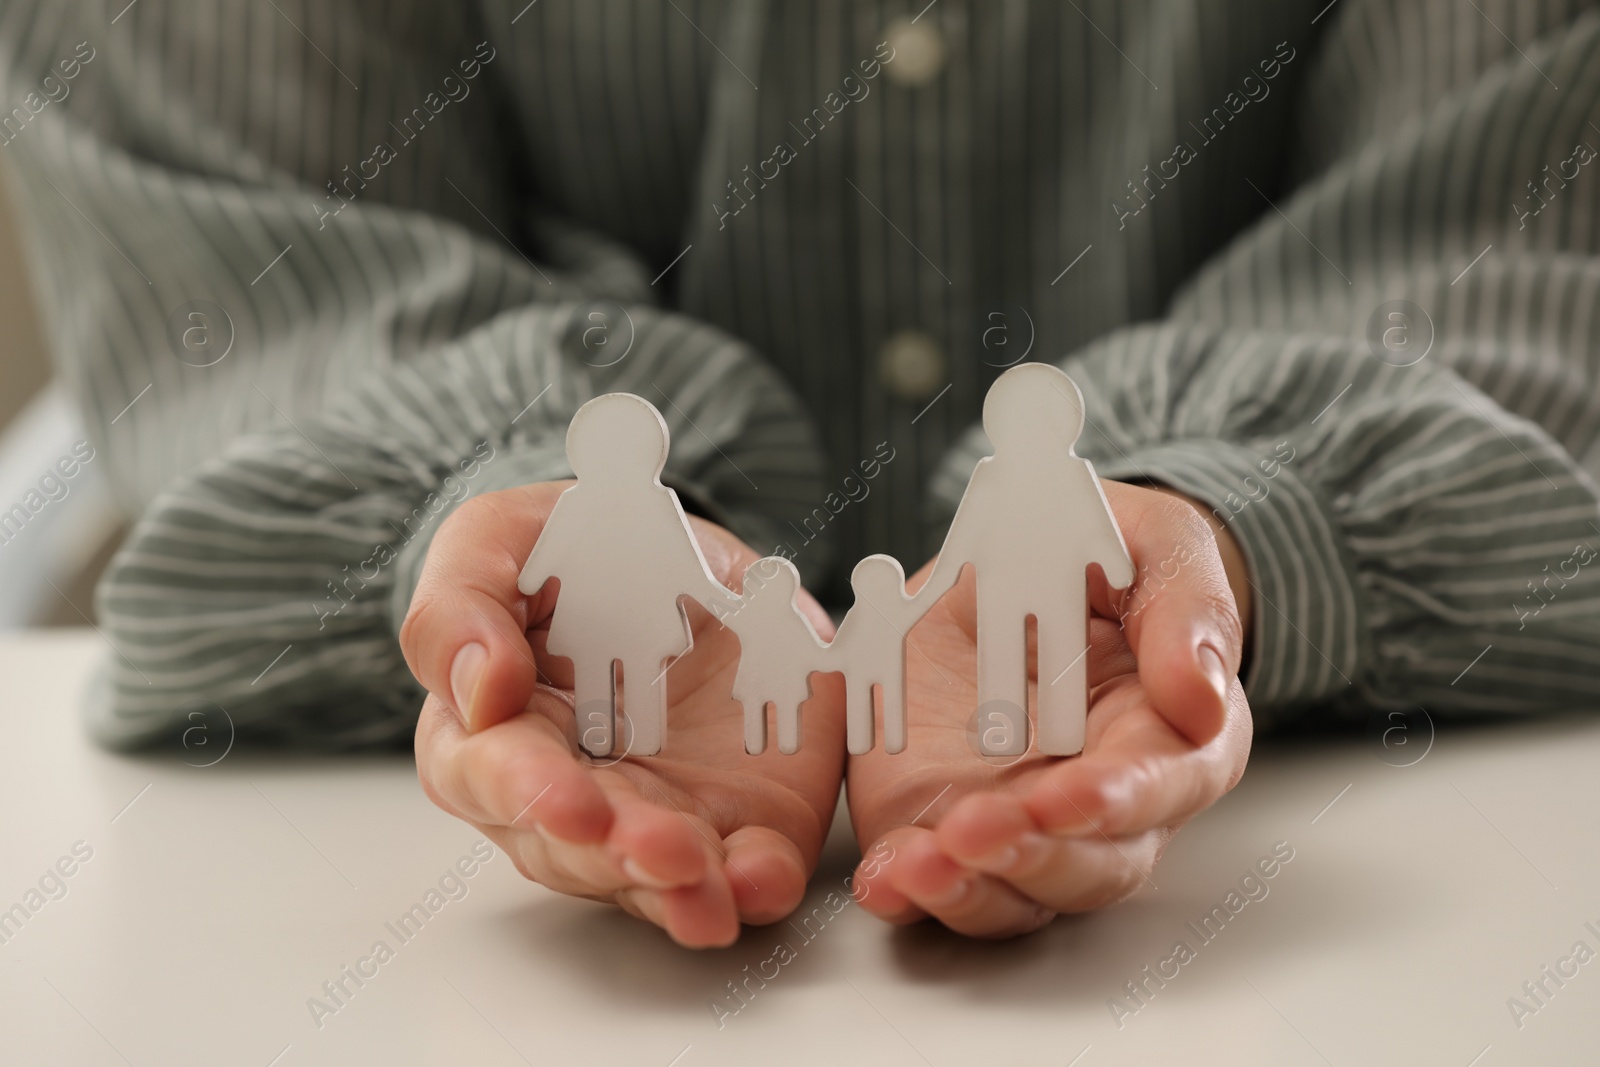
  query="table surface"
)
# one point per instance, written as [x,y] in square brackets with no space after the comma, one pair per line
[207,905]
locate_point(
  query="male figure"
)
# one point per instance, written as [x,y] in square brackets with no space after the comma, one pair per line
[1032,520]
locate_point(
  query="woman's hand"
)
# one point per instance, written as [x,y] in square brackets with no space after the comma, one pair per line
[995,846]
[697,839]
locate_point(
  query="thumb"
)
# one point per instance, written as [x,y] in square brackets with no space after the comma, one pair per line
[1180,615]
[464,635]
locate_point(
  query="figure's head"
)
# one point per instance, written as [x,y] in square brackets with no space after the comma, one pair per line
[617,437]
[1033,407]
[877,579]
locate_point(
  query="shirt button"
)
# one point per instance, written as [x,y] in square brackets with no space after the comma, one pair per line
[911,365]
[918,54]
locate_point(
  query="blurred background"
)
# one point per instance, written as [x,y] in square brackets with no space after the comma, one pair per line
[48,569]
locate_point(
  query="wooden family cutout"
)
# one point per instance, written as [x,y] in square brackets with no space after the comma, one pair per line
[1031,522]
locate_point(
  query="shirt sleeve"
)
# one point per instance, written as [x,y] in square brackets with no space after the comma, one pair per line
[1386,386]
[303,334]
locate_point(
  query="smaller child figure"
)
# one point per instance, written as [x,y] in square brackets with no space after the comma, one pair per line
[778,650]
[870,648]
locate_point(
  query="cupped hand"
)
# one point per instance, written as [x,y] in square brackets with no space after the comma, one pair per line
[993,846]
[696,839]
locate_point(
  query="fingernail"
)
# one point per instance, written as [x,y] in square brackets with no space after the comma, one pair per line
[1216,673]
[952,895]
[1116,797]
[638,874]
[1003,860]
[1022,852]
[465,671]
[1025,853]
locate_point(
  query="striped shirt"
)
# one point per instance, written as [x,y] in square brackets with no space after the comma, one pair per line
[317,270]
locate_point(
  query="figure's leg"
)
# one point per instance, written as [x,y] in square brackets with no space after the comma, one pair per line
[891,678]
[755,725]
[894,708]
[594,703]
[1064,676]
[644,702]
[1002,677]
[788,715]
[858,715]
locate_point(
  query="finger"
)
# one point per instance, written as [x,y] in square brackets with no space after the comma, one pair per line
[600,869]
[766,873]
[529,852]
[993,833]
[520,773]
[1180,614]
[967,901]
[647,847]
[657,846]
[464,634]
[874,888]
[698,916]
[1139,773]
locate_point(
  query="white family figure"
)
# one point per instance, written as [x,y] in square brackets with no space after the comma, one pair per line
[870,649]
[778,651]
[621,547]
[1031,522]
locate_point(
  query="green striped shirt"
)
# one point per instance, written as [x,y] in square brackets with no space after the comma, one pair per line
[317,271]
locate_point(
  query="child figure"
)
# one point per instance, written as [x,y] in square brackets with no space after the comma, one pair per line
[778,650]
[870,648]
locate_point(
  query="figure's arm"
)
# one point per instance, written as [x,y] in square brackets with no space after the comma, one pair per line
[907,612]
[960,543]
[694,576]
[395,352]
[1110,551]
[552,549]
[703,587]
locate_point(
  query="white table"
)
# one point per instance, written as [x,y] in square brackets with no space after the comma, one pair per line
[218,899]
